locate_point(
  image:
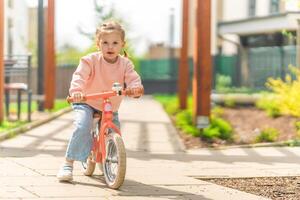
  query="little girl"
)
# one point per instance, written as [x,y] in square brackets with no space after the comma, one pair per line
[96,73]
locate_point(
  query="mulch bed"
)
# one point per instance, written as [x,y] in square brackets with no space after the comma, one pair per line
[247,123]
[277,188]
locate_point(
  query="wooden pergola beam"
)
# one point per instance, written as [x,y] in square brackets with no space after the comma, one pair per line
[183,72]
[1,60]
[202,79]
[50,65]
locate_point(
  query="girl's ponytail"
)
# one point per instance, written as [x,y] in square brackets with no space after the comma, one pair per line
[125,54]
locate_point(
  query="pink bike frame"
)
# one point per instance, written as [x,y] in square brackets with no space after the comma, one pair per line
[106,122]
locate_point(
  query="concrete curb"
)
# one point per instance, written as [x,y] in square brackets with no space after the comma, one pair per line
[266,144]
[19,130]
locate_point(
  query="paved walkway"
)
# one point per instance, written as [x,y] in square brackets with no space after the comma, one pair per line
[158,168]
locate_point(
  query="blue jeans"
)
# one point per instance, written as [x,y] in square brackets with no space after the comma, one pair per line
[80,144]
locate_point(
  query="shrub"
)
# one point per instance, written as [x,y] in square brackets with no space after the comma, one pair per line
[287,95]
[229,102]
[269,104]
[218,128]
[217,111]
[223,83]
[184,121]
[297,125]
[210,133]
[268,135]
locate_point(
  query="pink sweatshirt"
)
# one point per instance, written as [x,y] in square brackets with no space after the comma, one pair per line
[95,75]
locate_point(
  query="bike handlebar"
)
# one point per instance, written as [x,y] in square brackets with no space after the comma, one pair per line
[101,95]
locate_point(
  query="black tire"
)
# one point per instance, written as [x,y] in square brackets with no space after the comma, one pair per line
[114,167]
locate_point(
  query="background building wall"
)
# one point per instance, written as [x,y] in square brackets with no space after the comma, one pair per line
[16,27]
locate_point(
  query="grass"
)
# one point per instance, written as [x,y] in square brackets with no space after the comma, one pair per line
[58,105]
[8,125]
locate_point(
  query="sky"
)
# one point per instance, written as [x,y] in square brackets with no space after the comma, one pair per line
[148,21]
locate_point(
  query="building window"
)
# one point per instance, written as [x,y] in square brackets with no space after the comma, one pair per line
[252,8]
[274,6]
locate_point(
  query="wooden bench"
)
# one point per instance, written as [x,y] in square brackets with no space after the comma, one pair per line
[18,79]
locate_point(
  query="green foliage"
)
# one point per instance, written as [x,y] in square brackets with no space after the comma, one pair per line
[59,105]
[288,34]
[13,107]
[6,125]
[217,111]
[269,104]
[229,102]
[102,13]
[223,83]
[268,135]
[70,56]
[169,102]
[184,121]
[218,128]
[292,143]
[297,125]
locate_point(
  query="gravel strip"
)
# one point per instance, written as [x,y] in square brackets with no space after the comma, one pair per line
[277,188]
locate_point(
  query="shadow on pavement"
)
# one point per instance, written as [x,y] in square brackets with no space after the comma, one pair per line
[132,188]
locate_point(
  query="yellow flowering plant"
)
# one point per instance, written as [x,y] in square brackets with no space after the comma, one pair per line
[287,92]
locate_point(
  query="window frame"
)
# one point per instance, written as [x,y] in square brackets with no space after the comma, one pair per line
[251,8]
[274,6]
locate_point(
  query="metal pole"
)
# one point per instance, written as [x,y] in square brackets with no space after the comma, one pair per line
[1,59]
[40,86]
[171,49]
[183,72]
[202,80]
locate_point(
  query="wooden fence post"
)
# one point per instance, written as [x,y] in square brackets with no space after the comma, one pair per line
[183,72]
[202,79]
[50,65]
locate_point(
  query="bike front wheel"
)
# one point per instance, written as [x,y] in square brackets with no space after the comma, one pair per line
[114,166]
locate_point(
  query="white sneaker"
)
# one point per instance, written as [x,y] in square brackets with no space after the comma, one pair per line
[65,173]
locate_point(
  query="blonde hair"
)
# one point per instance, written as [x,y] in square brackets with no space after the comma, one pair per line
[110,27]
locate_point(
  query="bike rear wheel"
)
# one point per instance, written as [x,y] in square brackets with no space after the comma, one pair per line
[114,166]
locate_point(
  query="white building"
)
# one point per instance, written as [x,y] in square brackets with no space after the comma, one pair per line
[254,23]
[16,27]
[251,33]
[234,20]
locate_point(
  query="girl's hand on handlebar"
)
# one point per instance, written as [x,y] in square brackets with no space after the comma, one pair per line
[77,97]
[135,92]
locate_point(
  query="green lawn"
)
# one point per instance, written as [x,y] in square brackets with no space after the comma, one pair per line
[7,125]
[58,105]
